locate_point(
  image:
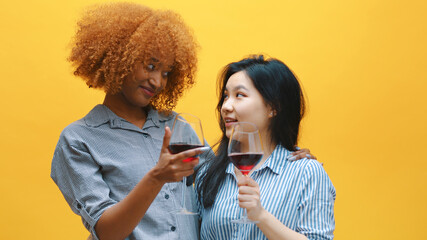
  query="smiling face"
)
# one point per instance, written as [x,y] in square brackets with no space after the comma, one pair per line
[146,82]
[244,103]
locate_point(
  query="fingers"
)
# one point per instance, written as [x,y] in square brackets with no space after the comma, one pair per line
[247,181]
[302,153]
[249,193]
[166,139]
[186,156]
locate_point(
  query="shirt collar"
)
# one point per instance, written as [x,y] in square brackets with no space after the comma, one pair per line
[154,118]
[230,168]
[277,160]
[101,114]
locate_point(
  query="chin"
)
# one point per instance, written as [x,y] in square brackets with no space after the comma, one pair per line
[228,132]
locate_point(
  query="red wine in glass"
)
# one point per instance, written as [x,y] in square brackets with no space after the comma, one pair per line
[181,147]
[245,162]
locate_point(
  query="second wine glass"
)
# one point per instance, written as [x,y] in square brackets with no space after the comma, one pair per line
[245,151]
[187,134]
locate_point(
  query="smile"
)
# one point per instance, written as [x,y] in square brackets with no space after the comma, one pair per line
[149,92]
[229,122]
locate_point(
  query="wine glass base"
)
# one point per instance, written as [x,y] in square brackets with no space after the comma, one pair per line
[244,221]
[184,211]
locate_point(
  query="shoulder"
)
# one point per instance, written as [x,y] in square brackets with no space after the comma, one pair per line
[309,167]
[73,134]
[313,174]
[96,117]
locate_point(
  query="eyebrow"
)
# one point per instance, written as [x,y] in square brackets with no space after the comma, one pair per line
[155,60]
[238,87]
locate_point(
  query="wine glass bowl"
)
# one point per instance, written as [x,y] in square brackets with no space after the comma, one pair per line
[245,147]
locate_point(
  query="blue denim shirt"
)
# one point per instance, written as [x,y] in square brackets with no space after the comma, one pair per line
[99,159]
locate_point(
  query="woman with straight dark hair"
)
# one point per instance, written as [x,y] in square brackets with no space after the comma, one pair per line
[288,199]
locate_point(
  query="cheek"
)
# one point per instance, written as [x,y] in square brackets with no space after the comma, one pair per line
[245,111]
[164,83]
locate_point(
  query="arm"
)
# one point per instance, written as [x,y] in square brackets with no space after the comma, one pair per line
[118,221]
[249,198]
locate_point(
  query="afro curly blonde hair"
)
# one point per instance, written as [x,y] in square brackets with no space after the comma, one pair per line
[112,38]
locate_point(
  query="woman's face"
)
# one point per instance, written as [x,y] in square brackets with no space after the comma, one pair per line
[146,82]
[243,103]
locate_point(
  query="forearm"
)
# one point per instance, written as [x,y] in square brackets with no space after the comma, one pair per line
[119,221]
[275,230]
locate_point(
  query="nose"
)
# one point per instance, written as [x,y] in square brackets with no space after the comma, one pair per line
[156,80]
[227,106]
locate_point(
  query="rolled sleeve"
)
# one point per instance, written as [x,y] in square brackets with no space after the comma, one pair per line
[80,180]
[316,210]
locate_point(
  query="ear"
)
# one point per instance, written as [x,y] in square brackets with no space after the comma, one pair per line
[272,112]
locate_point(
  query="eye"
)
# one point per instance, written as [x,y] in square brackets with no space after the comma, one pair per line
[225,95]
[151,67]
[165,74]
[240,95]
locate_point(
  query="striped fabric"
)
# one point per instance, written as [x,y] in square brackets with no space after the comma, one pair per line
[299,194]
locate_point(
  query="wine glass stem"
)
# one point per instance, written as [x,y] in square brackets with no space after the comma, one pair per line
[245,215]
[184,186]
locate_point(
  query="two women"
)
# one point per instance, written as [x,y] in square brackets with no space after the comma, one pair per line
[113,166]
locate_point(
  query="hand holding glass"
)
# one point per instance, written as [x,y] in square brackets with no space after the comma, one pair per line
[245,151]
[187,134]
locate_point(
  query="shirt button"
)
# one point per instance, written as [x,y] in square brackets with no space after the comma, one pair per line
[167,196]
[173,228]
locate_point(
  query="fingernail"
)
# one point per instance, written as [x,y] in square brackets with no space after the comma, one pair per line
[189,159]
[204,148]
[308,155]
[292,158]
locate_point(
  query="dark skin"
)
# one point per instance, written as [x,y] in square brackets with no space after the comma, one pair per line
[118,221]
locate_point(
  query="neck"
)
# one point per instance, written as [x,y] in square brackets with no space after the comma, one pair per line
[122,108]
[268,148]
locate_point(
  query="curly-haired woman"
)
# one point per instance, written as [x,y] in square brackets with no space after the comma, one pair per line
[113,166]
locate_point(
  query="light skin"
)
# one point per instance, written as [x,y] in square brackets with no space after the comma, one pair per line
[118,221]
[244,103]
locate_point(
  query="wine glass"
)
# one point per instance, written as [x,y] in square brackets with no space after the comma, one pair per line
[187,134]
[245,151]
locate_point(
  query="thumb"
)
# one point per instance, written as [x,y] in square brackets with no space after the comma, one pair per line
[166,139]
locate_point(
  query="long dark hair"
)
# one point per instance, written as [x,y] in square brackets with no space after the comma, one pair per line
[280,90]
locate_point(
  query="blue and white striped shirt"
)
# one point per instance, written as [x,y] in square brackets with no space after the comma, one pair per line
[299,194]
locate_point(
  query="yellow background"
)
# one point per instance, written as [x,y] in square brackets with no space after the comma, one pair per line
[362,64]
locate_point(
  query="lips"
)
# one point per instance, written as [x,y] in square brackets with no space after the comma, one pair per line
[229,121]
[148,91]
